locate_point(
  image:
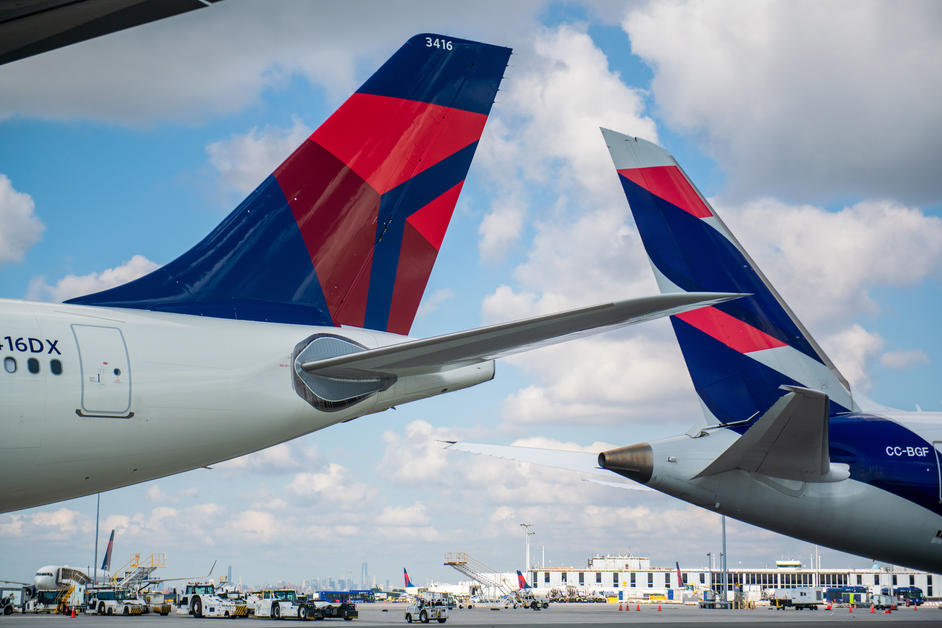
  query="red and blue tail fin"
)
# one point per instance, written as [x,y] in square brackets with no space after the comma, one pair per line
[347,229]
[522,582]
[405,576]
[739,353]
[106,562]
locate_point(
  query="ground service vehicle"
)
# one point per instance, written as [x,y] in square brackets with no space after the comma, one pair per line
[426,610]
[331,605]
[276,603]
[156,603]
[113,602]
[799,598]
[910,596]
[201,600]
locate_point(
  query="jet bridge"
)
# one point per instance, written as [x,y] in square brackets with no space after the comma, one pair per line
[492,581]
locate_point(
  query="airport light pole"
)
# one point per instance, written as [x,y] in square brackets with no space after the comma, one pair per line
[725,573]
[97,514]
[527,533]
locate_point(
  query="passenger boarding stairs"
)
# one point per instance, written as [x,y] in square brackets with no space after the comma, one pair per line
[495,587]
[137,572]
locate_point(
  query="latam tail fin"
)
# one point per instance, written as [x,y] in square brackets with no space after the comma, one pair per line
[405,577]
[106,563]
[739,353]
[522,582]
[347,229]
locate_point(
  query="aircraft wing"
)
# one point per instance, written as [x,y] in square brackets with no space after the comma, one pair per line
[789,441]
[585,463]
[30,27]
[463,348]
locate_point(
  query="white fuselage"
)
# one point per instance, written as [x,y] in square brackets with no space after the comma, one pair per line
[141,395]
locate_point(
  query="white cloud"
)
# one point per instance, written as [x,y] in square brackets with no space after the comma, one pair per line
[334,486]
[802,100]
[853,349]
[418,455]
[256,526]
[904,359]
[500,227]
[431,302]
[156,495]
[77,285]
[825,263]
[20,229]
[283,458]
[543,146]
[219,60]
[244,160]
[413,515]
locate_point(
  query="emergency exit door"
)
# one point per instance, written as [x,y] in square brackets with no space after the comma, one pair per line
[106,373]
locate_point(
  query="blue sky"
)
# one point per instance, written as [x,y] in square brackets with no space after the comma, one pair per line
[813,129]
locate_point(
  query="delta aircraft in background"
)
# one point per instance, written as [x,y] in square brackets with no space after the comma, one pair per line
[785,445]
[290,316]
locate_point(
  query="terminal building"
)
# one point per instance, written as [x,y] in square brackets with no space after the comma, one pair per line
[632,577]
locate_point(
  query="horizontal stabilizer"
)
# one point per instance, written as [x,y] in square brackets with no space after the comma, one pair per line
[789,441]
[582,462]
[487,343]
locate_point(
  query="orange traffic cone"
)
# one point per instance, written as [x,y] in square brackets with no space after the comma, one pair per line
[73,612]
[872,611]
[850,609]
[638,607]
[658,608]
[619,606]
[828,607]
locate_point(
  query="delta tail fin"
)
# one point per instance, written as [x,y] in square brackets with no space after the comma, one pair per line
[347,229]
[405,577]
[106,562]
[739,353]
[522,582]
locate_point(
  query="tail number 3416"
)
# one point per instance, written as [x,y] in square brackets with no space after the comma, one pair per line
[444,44]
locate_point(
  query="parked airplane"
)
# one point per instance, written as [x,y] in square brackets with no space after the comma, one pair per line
[106,561]
[290,316]
[786,446]
[406,579]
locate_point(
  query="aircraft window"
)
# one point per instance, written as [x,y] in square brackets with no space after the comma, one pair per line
[32,365]
[55,366]
[9,365]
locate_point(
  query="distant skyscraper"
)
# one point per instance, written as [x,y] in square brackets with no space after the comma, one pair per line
[229,574]
[364,576]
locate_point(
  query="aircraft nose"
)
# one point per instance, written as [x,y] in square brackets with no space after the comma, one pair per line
[635,462]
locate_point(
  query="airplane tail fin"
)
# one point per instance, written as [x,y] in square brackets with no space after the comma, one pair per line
[405,576]
[741,352]
[521,581]
[106,563]
[347,229]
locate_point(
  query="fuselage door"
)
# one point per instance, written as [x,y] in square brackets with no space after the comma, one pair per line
[106,373]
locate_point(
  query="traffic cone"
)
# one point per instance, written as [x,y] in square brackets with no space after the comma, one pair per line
[658,608]
[638,607]
[872,611]
[73,612]
[850,609]
[619,607]
[886,612]
[828,607]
